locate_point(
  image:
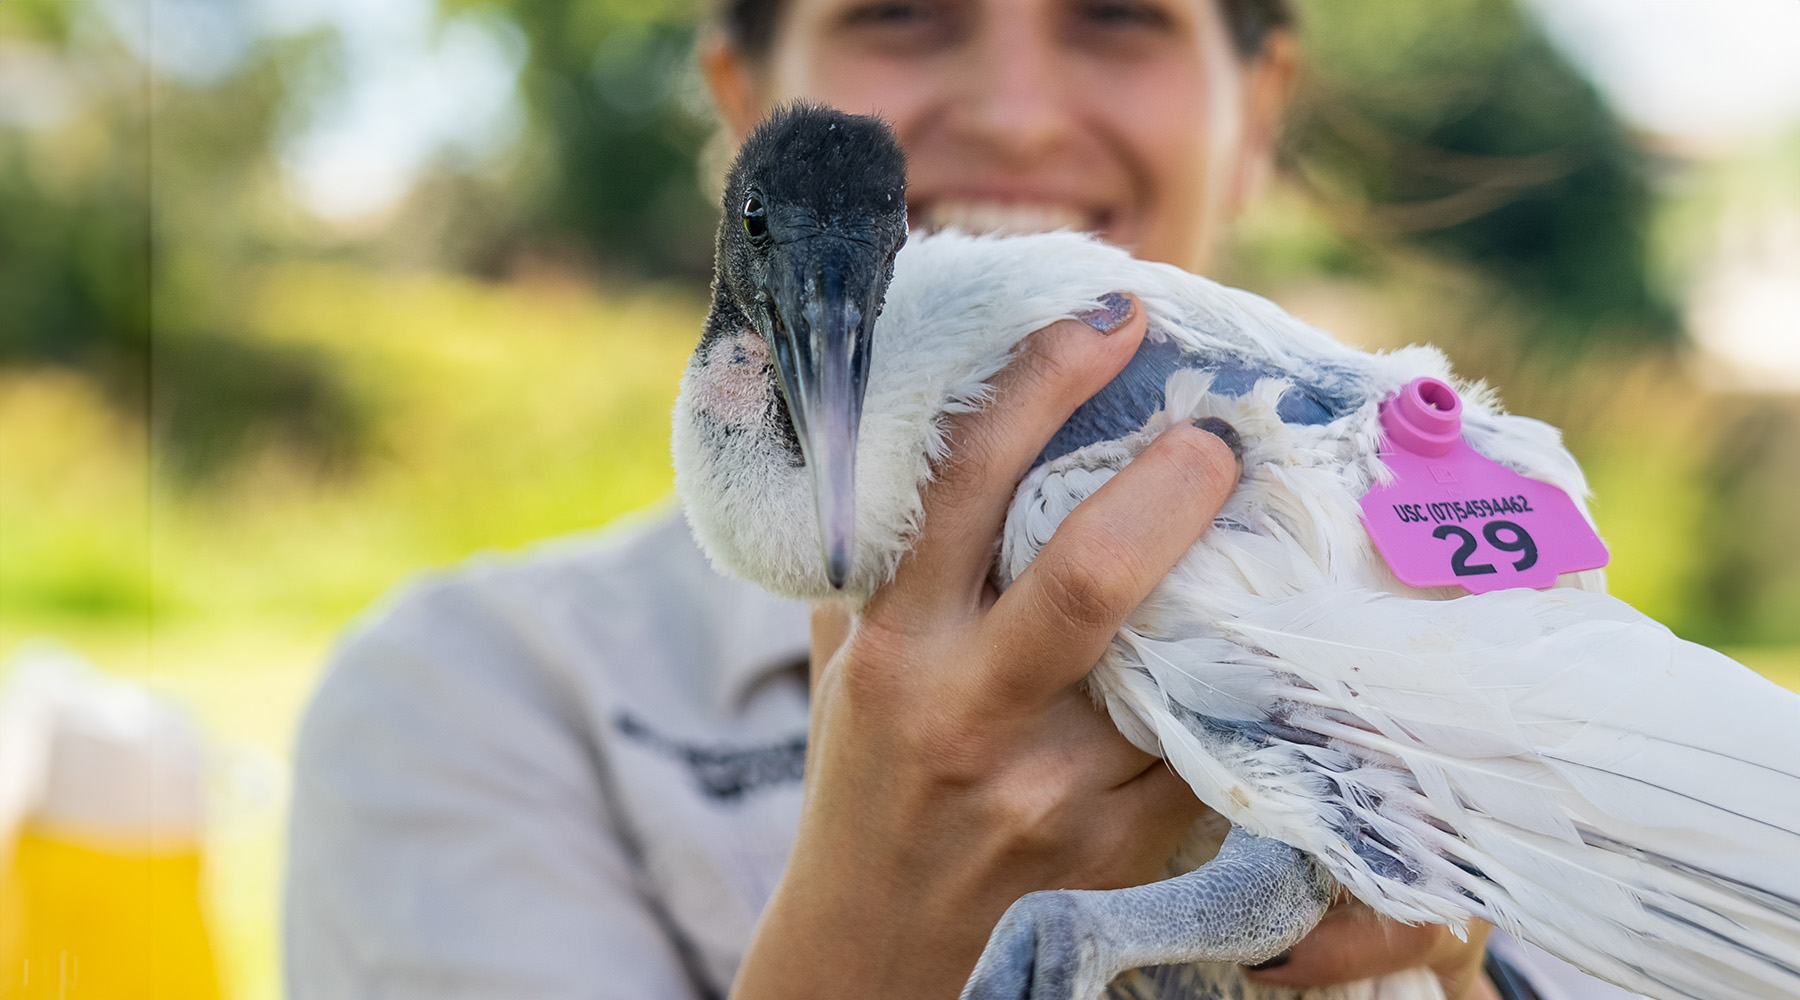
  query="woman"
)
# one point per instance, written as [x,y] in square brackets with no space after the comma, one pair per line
[580,774]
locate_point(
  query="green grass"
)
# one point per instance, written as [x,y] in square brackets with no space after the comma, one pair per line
[499,415]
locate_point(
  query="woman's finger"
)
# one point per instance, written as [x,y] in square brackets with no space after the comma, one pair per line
[1054,371]
[1103,560]
[1354,942]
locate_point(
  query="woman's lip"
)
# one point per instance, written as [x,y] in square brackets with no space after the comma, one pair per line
[1005,216]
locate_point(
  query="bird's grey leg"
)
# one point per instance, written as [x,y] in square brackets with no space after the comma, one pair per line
[1256,898]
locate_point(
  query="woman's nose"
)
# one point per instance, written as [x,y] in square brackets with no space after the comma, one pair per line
[1012,100]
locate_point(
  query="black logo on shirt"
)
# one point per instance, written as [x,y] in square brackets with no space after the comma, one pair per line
[724,774]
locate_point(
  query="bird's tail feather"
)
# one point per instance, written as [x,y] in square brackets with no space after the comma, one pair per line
[1619,796]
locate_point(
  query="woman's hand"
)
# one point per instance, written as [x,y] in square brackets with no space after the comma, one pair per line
[954,763]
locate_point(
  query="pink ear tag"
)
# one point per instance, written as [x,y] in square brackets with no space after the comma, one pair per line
[1453,517]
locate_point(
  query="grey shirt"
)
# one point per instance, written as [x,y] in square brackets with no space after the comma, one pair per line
[572,774]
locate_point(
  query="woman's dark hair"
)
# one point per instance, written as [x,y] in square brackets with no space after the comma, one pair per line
[1251,21]
[751,24]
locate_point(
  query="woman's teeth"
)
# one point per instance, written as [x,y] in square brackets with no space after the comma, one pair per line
[1006,218]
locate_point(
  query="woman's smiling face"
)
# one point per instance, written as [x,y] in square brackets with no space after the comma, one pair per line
[1135,119]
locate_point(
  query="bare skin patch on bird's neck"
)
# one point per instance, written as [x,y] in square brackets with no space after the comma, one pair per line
[736,383]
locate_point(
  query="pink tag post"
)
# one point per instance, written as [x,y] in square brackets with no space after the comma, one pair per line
[1452,517]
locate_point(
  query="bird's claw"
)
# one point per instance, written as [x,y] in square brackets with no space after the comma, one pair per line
[1035,953]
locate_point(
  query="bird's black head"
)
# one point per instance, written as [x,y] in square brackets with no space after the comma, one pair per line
[814,212]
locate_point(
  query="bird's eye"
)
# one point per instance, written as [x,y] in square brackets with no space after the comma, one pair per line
[756,225]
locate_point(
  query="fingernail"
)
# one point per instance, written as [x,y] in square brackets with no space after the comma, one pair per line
[1114,310]
[1225,432]
[1279,960]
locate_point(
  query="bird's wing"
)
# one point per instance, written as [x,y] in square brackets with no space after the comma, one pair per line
[1553,762]
[1623,798]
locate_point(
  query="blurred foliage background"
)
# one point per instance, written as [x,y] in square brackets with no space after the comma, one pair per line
[252,373]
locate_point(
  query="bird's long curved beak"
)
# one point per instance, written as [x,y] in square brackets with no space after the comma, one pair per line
[823,319]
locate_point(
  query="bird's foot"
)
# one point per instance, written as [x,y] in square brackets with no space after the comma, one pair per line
[1256,898]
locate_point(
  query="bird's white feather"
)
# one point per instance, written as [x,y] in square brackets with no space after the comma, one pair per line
[1551,761]
[1558,737]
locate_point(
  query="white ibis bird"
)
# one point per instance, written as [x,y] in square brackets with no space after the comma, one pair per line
[1549,760]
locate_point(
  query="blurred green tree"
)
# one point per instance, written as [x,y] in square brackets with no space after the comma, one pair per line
[1451,126]
[1455,127]
[1448,125]
[616,125]
[129,222]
